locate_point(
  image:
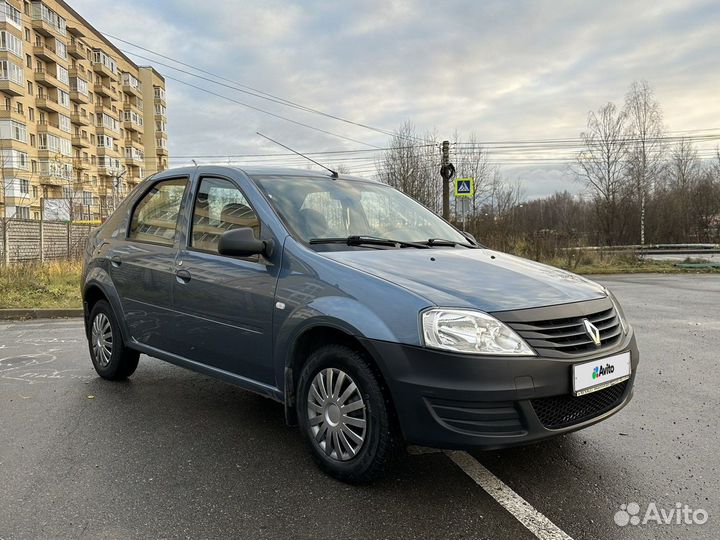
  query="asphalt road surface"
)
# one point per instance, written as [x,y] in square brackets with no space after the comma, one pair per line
[171,453]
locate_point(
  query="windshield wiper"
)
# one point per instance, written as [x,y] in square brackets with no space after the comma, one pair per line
[443,242]
[358,240]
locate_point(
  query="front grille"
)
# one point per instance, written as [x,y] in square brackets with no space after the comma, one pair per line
[566,336]
[478,417]
[562,411]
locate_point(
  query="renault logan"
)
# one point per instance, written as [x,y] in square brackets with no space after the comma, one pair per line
[375,322]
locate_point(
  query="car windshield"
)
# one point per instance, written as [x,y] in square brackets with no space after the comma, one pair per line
[325,208]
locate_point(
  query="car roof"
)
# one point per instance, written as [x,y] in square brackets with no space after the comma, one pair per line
[261,171]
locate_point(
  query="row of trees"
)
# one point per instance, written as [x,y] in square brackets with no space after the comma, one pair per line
[640,184]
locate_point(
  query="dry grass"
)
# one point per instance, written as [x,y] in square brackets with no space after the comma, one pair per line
[54,284]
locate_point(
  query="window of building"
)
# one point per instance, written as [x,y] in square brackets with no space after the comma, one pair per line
[62,74]
[33,166]
[10,14]
[35,192]
[31,89]
[64,98]
[10,71]
[24,186]
[31,114]
[10,129]
[32,140]
[154,219]
[60,49]
[27,35]
[11,43]
[22,212]
[64,123]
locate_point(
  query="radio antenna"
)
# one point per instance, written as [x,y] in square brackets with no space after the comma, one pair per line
[333,173]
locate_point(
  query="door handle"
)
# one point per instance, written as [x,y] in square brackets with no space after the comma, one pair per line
[182,276]
[115,261]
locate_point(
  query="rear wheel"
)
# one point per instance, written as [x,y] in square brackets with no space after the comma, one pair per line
[344,415]
[111,359]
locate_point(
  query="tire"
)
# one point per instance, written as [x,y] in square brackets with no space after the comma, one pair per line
[111,359]
[331,433]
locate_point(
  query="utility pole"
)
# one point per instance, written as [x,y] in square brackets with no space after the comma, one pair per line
[447,171]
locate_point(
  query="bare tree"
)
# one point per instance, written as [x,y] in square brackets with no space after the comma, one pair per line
[411,167]
[601,164]
[471,161]
[644,129]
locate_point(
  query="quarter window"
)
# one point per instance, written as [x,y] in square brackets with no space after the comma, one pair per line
[155,216]
[219,207]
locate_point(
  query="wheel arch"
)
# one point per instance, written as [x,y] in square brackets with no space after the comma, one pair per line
[309,339]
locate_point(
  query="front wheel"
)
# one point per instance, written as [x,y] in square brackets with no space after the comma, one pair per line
[344,415]
[111,359]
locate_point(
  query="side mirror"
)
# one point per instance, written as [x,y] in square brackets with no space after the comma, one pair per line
[240,243]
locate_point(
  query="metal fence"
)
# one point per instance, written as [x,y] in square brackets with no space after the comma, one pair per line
[29,240]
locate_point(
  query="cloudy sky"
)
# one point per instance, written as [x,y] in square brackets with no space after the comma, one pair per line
[505,71]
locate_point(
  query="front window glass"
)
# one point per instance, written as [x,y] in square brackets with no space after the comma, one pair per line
[155,216]
[316,208]
[219,207]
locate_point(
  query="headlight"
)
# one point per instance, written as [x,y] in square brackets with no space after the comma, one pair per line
[619,311]
[467,331]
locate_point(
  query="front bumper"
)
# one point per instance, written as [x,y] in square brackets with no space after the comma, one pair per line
[459,401]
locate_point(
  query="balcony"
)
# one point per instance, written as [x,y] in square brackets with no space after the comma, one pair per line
[134,161]
[135,90]
[47,29]
[50,104]
[81,164]
[43,126]
[81,141]
[105,71]
[129,125]
[106,151]
[11,113]
[11,87]
[80,119]
[104,130]
[79,97]
[47,79]
[161,151]
[49,179]
[105,91]
[48,54]
[76,50]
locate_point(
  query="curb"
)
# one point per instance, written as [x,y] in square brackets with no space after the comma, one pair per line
[33,313]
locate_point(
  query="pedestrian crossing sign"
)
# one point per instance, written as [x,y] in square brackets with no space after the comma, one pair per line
[464,187]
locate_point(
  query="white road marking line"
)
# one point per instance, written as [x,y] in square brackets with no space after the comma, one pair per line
[521,510]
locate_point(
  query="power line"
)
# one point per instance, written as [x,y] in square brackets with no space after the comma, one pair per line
[270,113]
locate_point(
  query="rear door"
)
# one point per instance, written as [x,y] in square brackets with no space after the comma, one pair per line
[225,304]
[142,265]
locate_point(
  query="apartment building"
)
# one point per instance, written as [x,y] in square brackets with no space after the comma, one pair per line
[80,123]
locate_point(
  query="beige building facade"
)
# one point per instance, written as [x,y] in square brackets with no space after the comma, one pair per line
[80,123]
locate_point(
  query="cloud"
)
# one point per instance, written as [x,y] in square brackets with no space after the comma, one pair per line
[503,70]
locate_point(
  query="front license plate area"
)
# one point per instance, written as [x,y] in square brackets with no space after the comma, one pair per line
[598,374]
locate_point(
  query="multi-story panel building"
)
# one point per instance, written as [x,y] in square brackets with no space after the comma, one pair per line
[78,119]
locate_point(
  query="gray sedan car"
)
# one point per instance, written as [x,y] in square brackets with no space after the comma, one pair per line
[376,323]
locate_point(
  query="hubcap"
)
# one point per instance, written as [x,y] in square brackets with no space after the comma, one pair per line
[102,339]
[336,414]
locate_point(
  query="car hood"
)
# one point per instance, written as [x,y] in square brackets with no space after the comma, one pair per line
[478,278]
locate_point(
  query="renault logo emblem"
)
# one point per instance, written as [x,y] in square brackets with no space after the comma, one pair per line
[592,331]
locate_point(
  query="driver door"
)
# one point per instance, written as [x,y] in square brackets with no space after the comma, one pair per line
[225,303]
